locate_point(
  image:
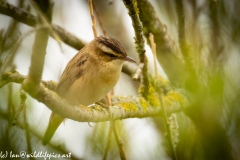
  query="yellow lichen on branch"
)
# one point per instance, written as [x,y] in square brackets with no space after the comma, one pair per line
[143,103]
[174,97]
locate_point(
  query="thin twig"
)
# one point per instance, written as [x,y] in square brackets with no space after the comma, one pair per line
[153,47]
[109,140]
[164,115]
[11,108]
[99,20]
[113,128]
[22,105]
[119,142]
[93,18]
[109,103]
[138,72]
[167,126]
[45,22]
[29,147]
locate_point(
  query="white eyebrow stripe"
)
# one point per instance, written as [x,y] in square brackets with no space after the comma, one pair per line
[108,50]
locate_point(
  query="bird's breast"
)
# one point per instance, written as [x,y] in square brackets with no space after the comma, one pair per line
[92,87]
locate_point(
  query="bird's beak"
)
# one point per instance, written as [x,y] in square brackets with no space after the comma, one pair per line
[129,59]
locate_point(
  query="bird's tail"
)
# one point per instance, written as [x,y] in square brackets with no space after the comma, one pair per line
[54,121]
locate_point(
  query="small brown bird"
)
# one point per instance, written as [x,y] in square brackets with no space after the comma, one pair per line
[89,76]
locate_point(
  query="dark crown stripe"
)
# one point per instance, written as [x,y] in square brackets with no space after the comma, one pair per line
[113,44]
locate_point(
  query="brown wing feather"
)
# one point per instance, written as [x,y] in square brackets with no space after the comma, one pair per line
[67,79]
[72,72]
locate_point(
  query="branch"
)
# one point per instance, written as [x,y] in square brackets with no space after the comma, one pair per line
[31,84]
[23,16]
[123,107]
[131,5]
[133,12]
[15,77]
[167,51]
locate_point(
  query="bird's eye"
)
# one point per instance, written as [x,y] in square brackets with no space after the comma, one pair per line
[111,55]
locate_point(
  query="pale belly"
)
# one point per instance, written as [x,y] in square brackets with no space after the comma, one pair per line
[92,90]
